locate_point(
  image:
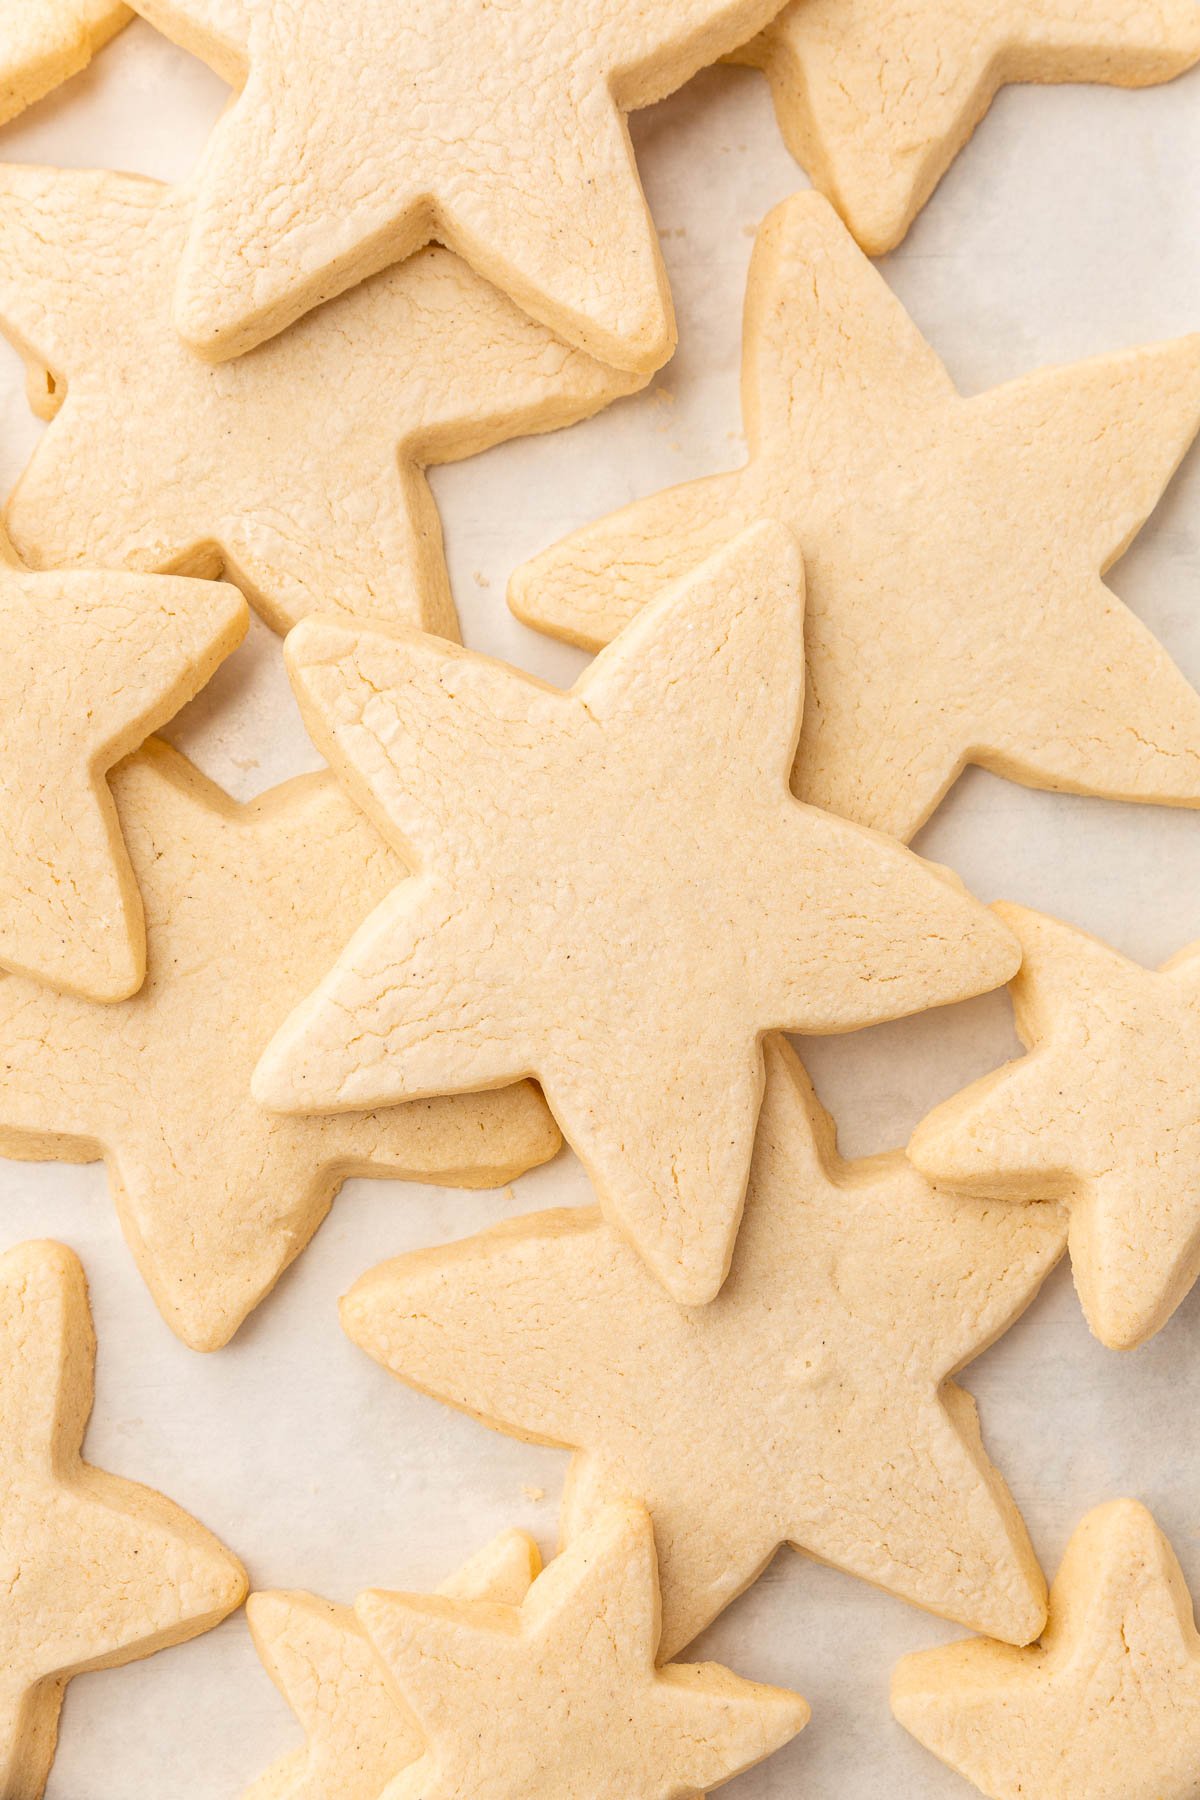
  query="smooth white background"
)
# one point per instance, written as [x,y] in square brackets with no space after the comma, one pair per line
[1070,225]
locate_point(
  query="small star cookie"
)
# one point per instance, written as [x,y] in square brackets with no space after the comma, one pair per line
[96,1571]
[559,1698]
[1105,1707]
[245,906]
[359,1734]
[615,893]
[954,547]
[810,1403]
[876,99]
[1101,1114]
[300,469]
[90,664]
[362,131]
[43,42]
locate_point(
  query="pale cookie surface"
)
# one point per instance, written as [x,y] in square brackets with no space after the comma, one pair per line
[299,469]
[359,1734]
[89,665]
[1101,1114]
[954,547]
[876,97]
[245,906]
[363,129]
[810,1403]
[616,893]
[97,1570]
[43,42]
[559,1698]
[1105,1707]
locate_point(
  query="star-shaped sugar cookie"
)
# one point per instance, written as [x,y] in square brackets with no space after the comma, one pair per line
[559,1698]
[363,130]
[811,1403]
[954,547]
[300,469]
[876,99]
[89,665]
[1105,1707]
[1102,1114]
[359,1734]
[615,892]
[43,42]
[95,1571]
[245,906]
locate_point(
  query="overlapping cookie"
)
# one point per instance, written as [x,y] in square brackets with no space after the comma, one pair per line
[359,1735]
[615,892]
[876,99]
[360,132]
[1106,1706]
[954,547]
[97,1570]
[1102,1114]
[89,665]
[298,470]
[245,905]
[43,42]
[810,1403]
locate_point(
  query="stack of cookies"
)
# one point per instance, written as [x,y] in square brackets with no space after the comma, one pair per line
[509,921]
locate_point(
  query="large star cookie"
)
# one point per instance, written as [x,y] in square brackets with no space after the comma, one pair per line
[245,906]
[43,42]
[954,547]
[89,665]
[97,1571]
[1106,1707]
[877,99]
[359,1735]
[300,469]
[616,892]
[363,130]
[559,1698]
[810,1403]
[1102,1114]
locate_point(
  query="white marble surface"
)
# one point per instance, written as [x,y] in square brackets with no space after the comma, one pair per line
[1070,225]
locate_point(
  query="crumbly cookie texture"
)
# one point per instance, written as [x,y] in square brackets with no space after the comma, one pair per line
[299,469]
[361,132]
[954,547]
[616,893]
[811,1403]
[89,665]
[877,97]
[559,1698]
[1101,1114]
[98,1571]
[245,906]
[359,1734]
[1107,1705]
[44,42]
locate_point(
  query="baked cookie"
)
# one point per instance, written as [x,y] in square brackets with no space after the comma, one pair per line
[954,547]
[1101,1114]
[559,1698]
[97,1570]
[1106,1707]
[299,470]
[810,1404]
[616,893]
[876,98]
[43,42]
[90,664]
[359,1735]
[245,905]
[360,132]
